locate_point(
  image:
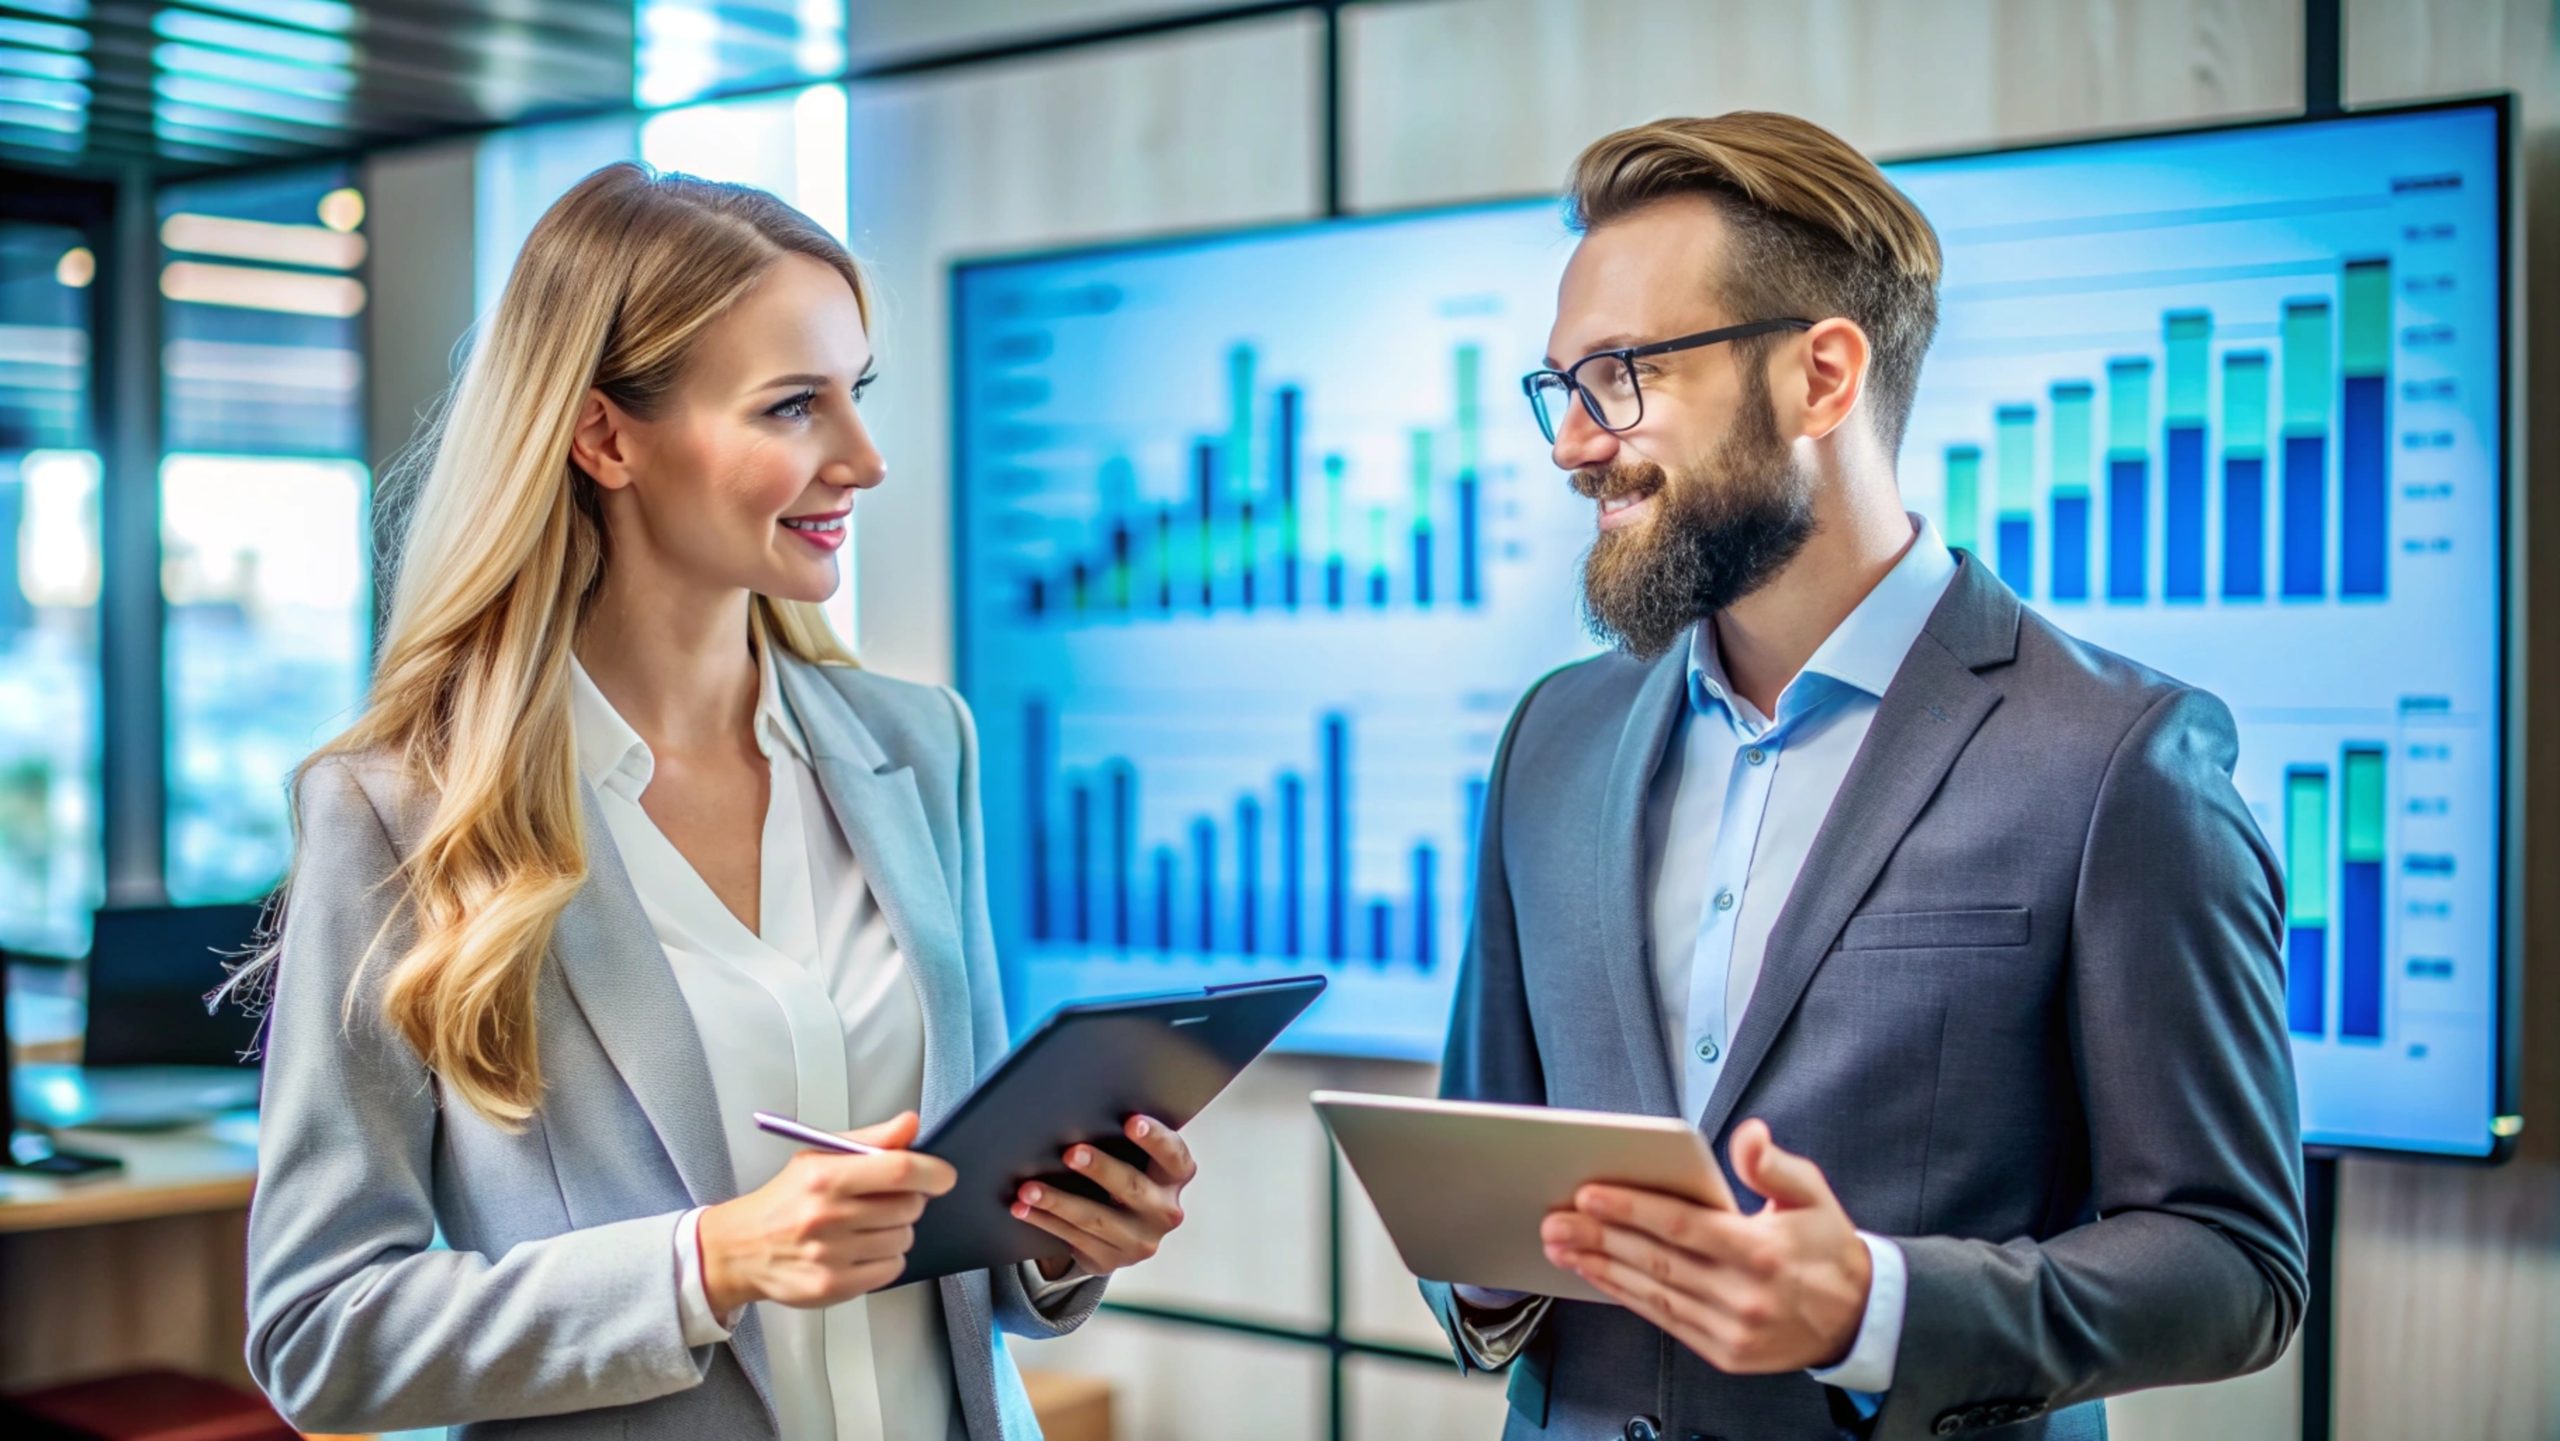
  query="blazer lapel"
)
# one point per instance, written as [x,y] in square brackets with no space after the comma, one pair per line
[876,802]
[1625,904]
[616,971]
[1923,722]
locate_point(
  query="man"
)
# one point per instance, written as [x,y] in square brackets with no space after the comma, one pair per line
[1948,930]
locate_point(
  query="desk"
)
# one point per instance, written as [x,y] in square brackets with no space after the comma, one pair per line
[139,1268]
[166,1173]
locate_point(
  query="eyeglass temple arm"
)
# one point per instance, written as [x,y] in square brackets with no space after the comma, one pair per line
[1710,337]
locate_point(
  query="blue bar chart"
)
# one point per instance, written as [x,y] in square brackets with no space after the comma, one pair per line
[1269,879]
[1266,526]
[2161,496]
[2339,820]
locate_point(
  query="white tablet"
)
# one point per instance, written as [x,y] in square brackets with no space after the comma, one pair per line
[1462,1185]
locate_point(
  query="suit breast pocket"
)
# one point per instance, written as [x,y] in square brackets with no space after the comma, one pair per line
[1978,929]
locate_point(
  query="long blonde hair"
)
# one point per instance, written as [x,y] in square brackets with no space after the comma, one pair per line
[505,549]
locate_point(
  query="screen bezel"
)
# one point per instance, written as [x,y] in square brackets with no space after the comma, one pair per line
[2504,1122]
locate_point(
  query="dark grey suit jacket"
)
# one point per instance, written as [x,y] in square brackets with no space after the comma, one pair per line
[2025,1007]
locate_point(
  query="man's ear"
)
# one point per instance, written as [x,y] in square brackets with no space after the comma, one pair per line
[1832,376]
[604,444]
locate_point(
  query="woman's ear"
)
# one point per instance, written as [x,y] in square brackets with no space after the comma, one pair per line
[604,443]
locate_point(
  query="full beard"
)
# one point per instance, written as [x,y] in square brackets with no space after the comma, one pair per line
[1719,531]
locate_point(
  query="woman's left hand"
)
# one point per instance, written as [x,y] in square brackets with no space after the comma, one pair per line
[1145,1205]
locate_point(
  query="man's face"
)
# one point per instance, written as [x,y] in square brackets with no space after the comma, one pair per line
[1703,499]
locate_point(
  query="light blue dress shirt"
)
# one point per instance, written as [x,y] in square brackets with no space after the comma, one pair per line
[1728,823]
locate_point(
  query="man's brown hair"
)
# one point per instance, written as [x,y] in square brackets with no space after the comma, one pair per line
[1817,231]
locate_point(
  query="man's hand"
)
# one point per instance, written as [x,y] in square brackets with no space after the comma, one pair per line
[1784,1289]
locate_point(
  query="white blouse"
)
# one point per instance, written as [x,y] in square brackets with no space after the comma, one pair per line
[813,1014]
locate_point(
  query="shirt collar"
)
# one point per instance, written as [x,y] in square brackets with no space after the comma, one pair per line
[611,755]
[776,728]
[1862,653]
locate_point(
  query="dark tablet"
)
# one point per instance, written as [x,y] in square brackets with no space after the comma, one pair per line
[1079,1077]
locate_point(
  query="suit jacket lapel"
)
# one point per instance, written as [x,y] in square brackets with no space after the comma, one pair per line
[616,971]
[876,802]
[1625,903]
[1923,722]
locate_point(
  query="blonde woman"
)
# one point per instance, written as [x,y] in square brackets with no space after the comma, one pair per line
[624,848]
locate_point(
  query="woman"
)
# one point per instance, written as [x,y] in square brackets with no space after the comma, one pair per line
[623,849]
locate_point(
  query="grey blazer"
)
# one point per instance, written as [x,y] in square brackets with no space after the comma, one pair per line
[2025,1007]
[553,1313]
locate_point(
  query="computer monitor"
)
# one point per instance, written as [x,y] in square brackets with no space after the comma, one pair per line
[1257,545]
[150,970]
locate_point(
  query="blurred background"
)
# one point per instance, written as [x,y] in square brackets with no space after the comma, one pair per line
[243,244]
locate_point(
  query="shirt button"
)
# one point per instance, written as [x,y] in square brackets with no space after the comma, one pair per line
[1755,755]
[1724,900]
[1708,1050]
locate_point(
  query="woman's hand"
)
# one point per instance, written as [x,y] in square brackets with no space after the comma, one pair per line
[1145,1205]
[829,1228]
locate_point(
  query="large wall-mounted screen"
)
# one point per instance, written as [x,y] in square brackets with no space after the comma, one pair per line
[1259,544]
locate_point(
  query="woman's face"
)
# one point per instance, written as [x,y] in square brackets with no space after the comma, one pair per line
[746,480]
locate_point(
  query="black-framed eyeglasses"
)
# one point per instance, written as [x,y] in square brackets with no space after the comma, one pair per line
[1605,380]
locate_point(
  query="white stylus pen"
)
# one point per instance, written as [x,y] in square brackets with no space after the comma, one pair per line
[809,1135]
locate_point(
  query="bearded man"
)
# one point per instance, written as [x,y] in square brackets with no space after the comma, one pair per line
[1949,931]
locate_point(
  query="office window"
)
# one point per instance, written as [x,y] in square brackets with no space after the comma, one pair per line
[265,560]
[794,144]
[519,172]
[687,49]
[50,862]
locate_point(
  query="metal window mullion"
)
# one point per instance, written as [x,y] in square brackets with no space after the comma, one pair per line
[133,715]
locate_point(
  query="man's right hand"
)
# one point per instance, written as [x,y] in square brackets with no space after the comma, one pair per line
[829,1228]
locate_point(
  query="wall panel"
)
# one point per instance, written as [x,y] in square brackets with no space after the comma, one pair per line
[881,31]
[1466,98]
[1193,131]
